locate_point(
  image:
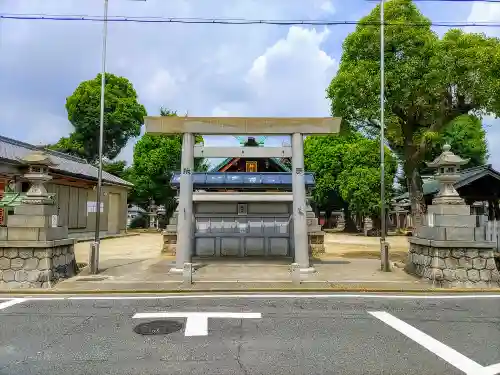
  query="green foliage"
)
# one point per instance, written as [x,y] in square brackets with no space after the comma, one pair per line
[140,221]
[156,157]
[123,117]
[429,81]
[117,168]
[467,138]
[69,145]
[347,170]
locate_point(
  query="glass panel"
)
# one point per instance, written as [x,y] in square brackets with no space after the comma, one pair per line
[282,224]
[269,225]
[216,225]
[242,226]
[255,225]
[202,225]
[229,225]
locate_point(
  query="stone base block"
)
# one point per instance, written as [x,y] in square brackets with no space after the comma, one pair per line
[36,267]
[453,267]
[316,243]
[169,243]
[36,234]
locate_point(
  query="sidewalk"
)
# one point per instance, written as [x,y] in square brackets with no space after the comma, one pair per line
[135,264]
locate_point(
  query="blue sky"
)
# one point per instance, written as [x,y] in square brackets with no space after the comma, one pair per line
[205,70]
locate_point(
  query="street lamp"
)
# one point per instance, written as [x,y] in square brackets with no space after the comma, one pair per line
[384,246]
[94,246]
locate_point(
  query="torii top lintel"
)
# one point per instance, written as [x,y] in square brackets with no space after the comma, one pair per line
[242,125]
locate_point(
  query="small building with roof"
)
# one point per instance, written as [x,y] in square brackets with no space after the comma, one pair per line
[74,183]
[243,208]
[478,186]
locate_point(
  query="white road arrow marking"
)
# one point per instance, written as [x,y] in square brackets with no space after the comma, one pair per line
[443,351]
[197,322]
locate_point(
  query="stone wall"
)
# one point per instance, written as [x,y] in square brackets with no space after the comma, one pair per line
[169,242]
[316,243]
[467,267]
[36,267]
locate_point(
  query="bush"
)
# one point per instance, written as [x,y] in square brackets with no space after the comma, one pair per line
[140,221]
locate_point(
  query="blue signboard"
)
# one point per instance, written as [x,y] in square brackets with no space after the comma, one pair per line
[240,179]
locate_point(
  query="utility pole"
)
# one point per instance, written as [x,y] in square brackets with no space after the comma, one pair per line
[94,247]
[384,246]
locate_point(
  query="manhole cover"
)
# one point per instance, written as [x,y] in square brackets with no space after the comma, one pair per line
[158,327]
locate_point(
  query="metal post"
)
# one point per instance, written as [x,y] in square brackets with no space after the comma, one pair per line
[94,252]
[301,244]
[187,274]
[384,250]
[185,218]
[295,271]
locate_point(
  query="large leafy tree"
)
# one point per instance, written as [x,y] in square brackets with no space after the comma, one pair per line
[347,169]
[467,138]
[429,83]
[155,158]
[123,117]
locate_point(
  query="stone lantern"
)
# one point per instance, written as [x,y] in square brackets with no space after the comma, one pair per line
[153,208]
[38,174]
[447,167]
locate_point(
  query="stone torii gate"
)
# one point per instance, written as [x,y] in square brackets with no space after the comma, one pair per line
[189,126]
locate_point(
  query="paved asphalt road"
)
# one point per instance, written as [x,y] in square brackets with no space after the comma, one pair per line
[281,335]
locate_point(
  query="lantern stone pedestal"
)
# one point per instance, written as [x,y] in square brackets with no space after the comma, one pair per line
[450,248]
[34,251]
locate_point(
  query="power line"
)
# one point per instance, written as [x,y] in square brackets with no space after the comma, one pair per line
[239,21]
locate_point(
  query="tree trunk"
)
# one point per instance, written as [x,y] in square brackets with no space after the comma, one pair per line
[328,215]
[350,225]
[416,195]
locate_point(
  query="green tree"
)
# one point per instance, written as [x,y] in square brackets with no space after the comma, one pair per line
[69,145]
[429,83]
[123,117]
[467,138]
[117,168]
[347,170]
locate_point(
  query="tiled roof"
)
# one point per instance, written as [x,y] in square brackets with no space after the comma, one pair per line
[222,164]
[468,175]
[12,150]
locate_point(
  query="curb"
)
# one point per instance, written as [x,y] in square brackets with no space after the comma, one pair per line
[251,290]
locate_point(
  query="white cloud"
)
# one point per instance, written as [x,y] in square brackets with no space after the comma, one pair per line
[484,12]
[291,76]
[327,7]
[160,88]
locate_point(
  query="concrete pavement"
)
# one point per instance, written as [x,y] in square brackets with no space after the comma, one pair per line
[251,334]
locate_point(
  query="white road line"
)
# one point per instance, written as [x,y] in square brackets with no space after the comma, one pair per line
[443,351]
[12,302]
[263,296]
[491,370]
[289,295]
[196,326]
[197,322]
